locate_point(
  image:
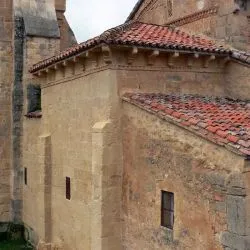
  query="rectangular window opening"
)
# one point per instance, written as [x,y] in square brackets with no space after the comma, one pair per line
[167,209]
[68,191]
[34,98]
[25,176]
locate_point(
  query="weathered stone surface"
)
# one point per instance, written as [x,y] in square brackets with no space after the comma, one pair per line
[236,214]
[179,167]
[235,180]
[39,18]
[234,241]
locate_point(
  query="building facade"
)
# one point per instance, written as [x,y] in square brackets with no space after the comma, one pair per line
[136,139]
[30,31]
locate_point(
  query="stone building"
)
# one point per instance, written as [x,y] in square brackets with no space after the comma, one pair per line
[136,139]
[30,30]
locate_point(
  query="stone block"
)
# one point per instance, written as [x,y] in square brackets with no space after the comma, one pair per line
[233,241]
[236,214]
[235,180]
[215,178]
[220,206]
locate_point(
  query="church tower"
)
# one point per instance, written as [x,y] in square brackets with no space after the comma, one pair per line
[30,31]
[6,79]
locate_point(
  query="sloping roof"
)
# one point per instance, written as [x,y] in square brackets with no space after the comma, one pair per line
[135,9]
[241,56]
[141,35]
[223,121]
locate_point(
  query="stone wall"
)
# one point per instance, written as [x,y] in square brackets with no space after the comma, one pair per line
[162,12]
[204,26]
[6,78]
[81,119]
[205,178]
[79,137]
[216,80]
[237,78]
[36,49]
[233,28]
[67,36]
[37,37]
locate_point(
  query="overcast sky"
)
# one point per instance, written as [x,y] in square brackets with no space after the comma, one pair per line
[91,18]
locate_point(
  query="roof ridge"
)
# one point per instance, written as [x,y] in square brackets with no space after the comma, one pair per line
[110,33]
[142,34]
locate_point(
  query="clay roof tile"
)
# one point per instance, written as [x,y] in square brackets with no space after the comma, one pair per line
[221,120]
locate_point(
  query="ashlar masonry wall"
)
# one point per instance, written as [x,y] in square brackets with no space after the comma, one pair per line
[164,11]
[36,49]
[203,177]
[237,80]
[79,139]
[6,78]
[182,75]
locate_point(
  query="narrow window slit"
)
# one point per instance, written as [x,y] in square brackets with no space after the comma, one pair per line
[25,176]
[68,188]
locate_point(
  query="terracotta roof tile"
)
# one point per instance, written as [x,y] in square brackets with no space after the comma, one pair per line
[221,120]
[142,35]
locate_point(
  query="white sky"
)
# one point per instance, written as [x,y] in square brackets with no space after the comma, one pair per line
[91,18]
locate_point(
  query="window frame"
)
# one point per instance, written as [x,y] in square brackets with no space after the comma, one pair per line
[167,198]
[34,96]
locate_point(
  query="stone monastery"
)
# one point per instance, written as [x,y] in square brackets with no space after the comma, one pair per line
[136,139]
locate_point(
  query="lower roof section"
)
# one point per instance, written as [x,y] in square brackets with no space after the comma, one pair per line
[221,120]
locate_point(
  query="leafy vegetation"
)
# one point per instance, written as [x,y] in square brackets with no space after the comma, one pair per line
[15,245]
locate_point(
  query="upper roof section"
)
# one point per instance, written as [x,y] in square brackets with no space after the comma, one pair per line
[227,21]
[142,35]
[223,121]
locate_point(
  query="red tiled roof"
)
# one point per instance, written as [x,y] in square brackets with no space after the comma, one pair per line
[224,121]
[141,35]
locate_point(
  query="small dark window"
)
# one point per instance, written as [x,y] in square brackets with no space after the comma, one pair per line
[25,176]
[34,98]
[68,191]
[167,209]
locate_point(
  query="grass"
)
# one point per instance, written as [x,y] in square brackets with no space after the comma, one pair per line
[15,245]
